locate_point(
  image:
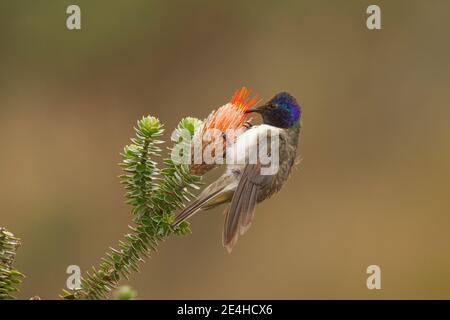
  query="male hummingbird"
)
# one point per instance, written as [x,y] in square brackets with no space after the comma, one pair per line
[243,184]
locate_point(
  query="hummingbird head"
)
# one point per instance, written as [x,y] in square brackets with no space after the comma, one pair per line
[281,111]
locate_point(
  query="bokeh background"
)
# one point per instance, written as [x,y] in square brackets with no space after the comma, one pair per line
[372,188]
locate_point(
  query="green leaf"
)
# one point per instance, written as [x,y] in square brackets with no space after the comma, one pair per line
[10,277]
[153,195]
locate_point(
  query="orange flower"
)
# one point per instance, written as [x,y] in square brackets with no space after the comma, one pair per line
[232,115]
[228,119]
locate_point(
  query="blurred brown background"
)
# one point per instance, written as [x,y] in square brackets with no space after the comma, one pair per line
[372,187]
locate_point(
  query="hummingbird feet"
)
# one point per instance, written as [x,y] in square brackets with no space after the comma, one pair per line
[248,124]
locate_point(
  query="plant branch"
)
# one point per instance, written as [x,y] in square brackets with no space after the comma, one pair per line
[152,207]
[10,278]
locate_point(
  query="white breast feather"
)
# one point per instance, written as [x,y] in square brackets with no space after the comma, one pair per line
[242,151]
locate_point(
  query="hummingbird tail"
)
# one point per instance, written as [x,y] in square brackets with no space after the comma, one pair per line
[239,215]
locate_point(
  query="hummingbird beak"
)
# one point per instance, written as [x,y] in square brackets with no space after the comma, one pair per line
[259,109]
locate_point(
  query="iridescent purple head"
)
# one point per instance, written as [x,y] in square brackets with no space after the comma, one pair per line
[281,111]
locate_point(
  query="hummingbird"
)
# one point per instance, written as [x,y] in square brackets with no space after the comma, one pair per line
[243,185]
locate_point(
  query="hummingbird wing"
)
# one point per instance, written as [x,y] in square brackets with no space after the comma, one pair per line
[239,215]
[222,190]
[216,193]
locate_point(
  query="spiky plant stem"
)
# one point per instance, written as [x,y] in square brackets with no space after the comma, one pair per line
[10,278]
[152,207]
